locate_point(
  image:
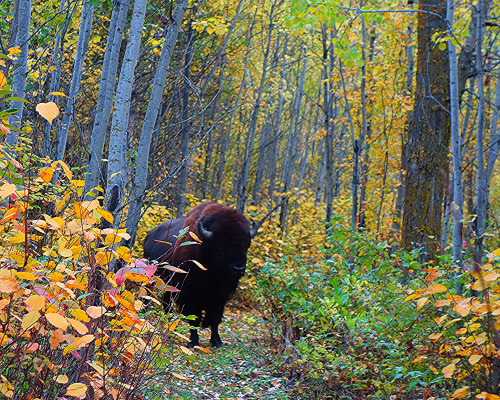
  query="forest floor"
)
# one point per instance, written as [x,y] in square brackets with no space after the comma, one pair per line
[245,367]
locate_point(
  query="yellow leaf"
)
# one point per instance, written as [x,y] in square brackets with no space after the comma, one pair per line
[422,302]
[80,315]
[3,80]
[95,312]
[84,340]
[186,350]
[48,110]
[57,94]
[204,269]
[435,336]
[76,389]
[196,238]
[46,174]
[62,379]
[57,320]
[442,303]
[96,366]
[180,376]
[66,253]
[35,302]
[30,319]
[106,215]
[78,326]
[448,371]
[3,128]
[475,358]
[435,288]
[29,276]
[460,393]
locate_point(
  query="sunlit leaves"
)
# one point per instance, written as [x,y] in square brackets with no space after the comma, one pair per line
[49,110]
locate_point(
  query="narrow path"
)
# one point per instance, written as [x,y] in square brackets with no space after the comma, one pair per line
[241,369]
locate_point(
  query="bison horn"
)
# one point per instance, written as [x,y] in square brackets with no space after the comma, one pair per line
[204,233]
[254,228]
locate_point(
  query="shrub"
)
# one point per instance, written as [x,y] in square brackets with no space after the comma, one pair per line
[69,326]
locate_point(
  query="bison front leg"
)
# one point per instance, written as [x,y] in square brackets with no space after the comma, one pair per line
[212,319]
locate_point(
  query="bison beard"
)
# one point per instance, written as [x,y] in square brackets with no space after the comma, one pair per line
[225,235]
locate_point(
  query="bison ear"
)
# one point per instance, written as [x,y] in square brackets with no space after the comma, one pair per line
[204,232]
[254,228]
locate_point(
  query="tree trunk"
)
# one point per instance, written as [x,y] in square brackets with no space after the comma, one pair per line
[482,183]
[117,151]
[185,124]
[291,154]
[249,143]
[428,137]
[106,93]
[20,67]
[456,156]
[141,167]
[81,50]
[55,78]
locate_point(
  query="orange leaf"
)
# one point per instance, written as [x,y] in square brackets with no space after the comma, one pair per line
[8,285]
[55,339]
[48,110]
[106,215]
[433,275]
[46,174]
[435,288]
[35,302]
[199,265]
[78,326]
[460,393]
[57,320]
[462,307]
[84,340]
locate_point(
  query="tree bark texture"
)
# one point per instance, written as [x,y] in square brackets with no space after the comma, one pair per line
[20,67]
[154,104]
[428,136]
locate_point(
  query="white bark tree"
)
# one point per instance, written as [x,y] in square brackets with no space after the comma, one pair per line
[141,168]
[107,86]
[117,163]
[20,67]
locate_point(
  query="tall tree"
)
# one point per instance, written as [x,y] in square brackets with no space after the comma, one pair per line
[22,22]
[428,135]
[117,163]
[141,167]
[105,97]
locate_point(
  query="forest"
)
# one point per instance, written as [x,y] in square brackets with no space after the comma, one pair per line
[360,137]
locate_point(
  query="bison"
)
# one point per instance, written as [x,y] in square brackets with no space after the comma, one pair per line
[225,238]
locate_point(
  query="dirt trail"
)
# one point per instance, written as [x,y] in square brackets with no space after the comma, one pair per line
[241,369]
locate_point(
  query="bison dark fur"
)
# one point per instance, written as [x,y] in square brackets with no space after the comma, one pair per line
[225,235]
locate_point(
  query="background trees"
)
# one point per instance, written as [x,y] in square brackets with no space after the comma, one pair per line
[260,105]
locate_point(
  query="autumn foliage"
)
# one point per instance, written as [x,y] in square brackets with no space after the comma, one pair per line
[70,326]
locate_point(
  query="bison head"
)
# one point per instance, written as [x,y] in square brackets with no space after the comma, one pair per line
[225,238]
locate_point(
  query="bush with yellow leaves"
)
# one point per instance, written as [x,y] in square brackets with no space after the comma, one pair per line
[69,326]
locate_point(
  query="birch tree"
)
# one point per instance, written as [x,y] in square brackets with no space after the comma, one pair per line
[141,167]
[22,23]
[455,146]
[117,163]
[107,86]
[81,49]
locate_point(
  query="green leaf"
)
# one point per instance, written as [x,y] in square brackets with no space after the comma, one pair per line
[442,46]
